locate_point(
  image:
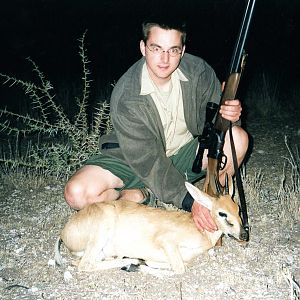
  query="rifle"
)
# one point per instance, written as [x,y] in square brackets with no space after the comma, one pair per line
[213,136]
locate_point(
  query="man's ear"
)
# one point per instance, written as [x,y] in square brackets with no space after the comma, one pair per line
[183,50]
[143,47]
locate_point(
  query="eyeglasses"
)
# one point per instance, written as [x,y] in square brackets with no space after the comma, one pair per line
[158,50]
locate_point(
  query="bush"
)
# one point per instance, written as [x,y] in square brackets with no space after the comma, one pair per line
[48,141]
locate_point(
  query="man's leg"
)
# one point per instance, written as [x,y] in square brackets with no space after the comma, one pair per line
[91,184]
[241,141]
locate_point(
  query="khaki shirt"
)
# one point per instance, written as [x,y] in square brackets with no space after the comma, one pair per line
[170,107]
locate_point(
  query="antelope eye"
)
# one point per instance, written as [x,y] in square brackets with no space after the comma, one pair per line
[223,215]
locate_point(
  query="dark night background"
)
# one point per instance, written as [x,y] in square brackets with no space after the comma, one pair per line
[48,32]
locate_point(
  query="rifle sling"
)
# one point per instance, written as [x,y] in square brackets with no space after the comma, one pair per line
[239,182]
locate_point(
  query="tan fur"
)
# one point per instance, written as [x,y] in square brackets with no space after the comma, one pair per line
[118,229]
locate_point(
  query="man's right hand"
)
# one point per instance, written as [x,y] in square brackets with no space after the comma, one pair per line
[202,218]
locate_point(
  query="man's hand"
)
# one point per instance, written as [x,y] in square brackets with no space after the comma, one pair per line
[231,110]
[202,218]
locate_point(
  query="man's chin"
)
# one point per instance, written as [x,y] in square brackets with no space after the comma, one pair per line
[164,75]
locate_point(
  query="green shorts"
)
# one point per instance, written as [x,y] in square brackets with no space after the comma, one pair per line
[182,160]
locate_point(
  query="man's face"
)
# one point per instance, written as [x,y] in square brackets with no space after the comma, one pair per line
[162,65]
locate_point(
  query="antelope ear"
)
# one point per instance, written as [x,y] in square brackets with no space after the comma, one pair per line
[199,196]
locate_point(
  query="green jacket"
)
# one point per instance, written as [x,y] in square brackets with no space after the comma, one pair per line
[138,128]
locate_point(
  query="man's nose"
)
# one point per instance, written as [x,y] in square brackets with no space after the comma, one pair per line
[165,56]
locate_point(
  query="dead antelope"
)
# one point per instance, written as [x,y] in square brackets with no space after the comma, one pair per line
[116,233]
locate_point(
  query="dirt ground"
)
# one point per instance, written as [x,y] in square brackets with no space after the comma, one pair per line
[30,221]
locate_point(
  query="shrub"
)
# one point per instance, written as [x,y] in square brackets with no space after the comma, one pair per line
[47,141]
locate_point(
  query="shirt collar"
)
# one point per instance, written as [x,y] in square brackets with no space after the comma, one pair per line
[147,85]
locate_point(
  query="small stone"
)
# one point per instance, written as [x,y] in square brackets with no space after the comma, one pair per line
[33,289]
[51,263]
[67,276]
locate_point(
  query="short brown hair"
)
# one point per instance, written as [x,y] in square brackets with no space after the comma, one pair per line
[164,24]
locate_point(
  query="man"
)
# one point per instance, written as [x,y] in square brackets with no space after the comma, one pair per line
[157,110]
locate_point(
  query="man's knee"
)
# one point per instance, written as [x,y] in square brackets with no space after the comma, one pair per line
[91,184]
[242,134]
[75,195]
[241,140]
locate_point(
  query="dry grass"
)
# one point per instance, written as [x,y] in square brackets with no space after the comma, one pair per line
[293,285]
[253,187]
[289,190]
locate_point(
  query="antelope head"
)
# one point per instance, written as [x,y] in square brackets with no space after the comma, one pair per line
[224,211]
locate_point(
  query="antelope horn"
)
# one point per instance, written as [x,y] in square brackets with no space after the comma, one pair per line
[218,187]
[226,192]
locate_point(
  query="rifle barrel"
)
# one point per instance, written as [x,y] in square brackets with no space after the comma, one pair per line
[240,42]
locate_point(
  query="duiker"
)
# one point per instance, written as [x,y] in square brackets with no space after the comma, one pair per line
[116,233]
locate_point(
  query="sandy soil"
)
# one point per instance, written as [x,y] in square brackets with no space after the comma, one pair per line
[30,221]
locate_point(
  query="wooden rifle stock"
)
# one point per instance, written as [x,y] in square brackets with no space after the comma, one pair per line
[229,93]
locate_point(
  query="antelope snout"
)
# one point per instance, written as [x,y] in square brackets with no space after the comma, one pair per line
[244,234]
